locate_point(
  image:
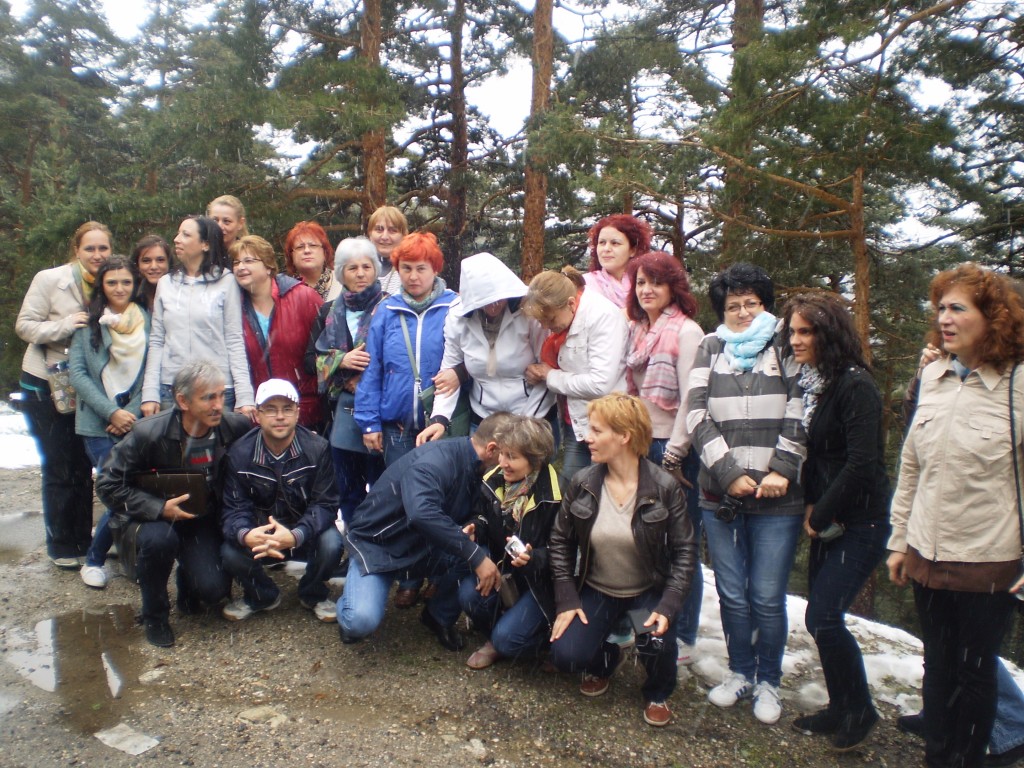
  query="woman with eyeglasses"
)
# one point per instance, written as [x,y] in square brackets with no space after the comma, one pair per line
[53,309]
[744,412]
[279,313]
[308,256]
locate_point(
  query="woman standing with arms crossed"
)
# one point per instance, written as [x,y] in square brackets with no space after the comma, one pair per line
[846,493]
[53,309]
[197,315]
[956,530]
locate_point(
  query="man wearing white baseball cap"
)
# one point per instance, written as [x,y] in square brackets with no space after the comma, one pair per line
[280,503]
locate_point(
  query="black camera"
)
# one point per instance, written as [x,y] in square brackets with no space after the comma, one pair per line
[728,508]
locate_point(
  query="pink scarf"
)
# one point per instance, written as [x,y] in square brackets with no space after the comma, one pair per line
[656,351]
[616,291]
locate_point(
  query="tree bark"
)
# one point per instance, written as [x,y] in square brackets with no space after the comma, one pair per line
[861,266]
[374,154]
[455,220]
[536,178]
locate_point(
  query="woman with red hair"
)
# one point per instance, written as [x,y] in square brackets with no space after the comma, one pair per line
[614,241]
[308,255]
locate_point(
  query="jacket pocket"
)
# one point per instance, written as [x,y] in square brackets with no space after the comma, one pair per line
[989,437]
[581,510]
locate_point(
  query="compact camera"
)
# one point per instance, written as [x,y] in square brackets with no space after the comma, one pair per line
[515,547]
[727,508]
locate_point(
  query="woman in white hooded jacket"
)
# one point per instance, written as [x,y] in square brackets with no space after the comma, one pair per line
[489,339]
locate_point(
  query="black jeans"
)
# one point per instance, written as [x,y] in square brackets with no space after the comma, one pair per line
[195,544]
[962,632]
[836,572]
[66,471]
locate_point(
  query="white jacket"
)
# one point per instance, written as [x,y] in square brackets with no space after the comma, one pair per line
[485,280]
[592,362]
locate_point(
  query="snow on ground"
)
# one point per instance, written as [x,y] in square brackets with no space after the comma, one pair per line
[892,656]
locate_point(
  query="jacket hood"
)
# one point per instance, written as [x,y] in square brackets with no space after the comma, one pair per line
[485,279]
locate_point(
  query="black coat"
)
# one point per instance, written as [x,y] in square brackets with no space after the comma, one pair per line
[844,476]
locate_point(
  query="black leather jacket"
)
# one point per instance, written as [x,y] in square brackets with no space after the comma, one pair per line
[661,529]
[156,443]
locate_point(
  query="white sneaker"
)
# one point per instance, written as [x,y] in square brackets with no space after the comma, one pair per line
[239,610]
[767,703]
[326,610]
[94,576]
[734,688]
[687,654]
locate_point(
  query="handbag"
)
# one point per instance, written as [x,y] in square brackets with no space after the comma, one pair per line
[458,425]
[64,397]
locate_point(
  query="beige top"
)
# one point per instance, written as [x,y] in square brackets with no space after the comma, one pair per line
[617,569]
[45,320]
[956,499]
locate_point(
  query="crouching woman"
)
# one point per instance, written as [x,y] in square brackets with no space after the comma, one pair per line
[626,519]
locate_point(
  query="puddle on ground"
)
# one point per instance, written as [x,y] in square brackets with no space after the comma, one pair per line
[86,658]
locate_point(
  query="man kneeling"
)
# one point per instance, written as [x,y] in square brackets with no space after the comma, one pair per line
[280,502]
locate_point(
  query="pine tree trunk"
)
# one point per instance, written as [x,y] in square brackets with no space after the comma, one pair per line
[455,220]
[861,266]
[536,179]
[374,155]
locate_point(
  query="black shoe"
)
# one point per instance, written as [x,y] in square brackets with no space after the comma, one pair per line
[448,637]
[188,605]
[854,730]
[826,721]
[1009,757]
[348,639]
[912,724]
[159,633]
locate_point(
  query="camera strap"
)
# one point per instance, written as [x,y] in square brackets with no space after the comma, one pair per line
[1016,464]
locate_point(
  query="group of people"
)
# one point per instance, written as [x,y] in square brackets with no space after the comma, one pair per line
[358,385]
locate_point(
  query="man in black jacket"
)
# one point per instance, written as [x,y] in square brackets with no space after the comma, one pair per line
[280,502]
[192,436]
[412,523]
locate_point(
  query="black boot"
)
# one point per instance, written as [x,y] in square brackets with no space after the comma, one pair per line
[825,721]
[448,637]
[855,729]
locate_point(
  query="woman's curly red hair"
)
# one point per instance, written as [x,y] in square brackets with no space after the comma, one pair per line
[637,232]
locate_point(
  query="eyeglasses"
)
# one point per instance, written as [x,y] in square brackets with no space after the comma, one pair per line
[287,410]
[750,306]
[307,247]
[246,262]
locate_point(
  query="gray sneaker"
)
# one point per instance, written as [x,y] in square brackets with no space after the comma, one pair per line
[326,610]
[239,610]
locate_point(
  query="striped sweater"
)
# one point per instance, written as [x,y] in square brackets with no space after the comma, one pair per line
[747,424]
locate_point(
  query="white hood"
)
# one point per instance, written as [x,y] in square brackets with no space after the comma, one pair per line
[485,279]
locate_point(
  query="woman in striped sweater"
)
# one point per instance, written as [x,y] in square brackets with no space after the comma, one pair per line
[744,412]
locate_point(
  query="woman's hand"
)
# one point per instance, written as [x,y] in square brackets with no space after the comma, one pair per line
[446,382]
[660,624]
[356,359]
[537,373]
[742,486]
[79,319]
[149,408]
[897,570]
[1017,585]
[122,421]
[773,486]
[929,354]
[432,432]
[564,619]
[374,442]
[523,557]
[808,511]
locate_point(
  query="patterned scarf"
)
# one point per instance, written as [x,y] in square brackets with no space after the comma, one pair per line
[655,350]
[335,341]
[124,323]
[616,291]
[324,283]
[86,281]
[516,495]
[742,349]
[813,385]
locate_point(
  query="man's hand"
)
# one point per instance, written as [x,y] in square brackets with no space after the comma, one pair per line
[172,509]
[433,432]
[374,442]
[660,621]
[564,619]
[487,577]
[270,540]
[808,511]
[470,531]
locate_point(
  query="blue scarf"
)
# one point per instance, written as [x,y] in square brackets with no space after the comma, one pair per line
[742,349]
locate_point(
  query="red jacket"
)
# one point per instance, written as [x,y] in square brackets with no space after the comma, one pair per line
[296,306]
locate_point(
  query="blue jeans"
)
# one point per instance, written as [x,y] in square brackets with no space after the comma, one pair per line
[398,441]
[688,619]
[362,604]
[521,630]
[836,572]
[576,456]
[583,648]
[322,555]
[752,557]
[353,472]
[98,448]
[1008,730]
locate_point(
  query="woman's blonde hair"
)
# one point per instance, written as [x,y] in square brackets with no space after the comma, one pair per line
[625,415]
[389,215]
[551,290]
[234,204]
[255,246]
[83,230]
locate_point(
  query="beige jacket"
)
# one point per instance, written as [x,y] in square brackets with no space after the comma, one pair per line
[956,500]
[45,320]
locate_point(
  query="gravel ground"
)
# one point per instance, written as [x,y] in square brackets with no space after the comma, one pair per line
[280,689]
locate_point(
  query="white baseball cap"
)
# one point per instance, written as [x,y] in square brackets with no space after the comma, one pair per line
[276,388]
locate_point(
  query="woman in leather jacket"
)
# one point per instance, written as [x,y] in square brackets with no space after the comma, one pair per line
[626,519]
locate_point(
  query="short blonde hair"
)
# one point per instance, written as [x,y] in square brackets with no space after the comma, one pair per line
[551,290]
[389,215]
[234,204]
[625,415]
[255,246]
[531,437]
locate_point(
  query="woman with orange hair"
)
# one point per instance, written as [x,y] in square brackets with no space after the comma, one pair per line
[405,344]
[308,255]
[955,522]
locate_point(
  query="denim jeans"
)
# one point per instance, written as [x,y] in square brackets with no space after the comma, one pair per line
[575,456]
[98,448]
[353,471]
[583,648]
[962,632]
[521,630]
[836,572]
[361,606]
[322,555]
[1008,729]
[398,441]
[66,474]
[752,557]
[688,619]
